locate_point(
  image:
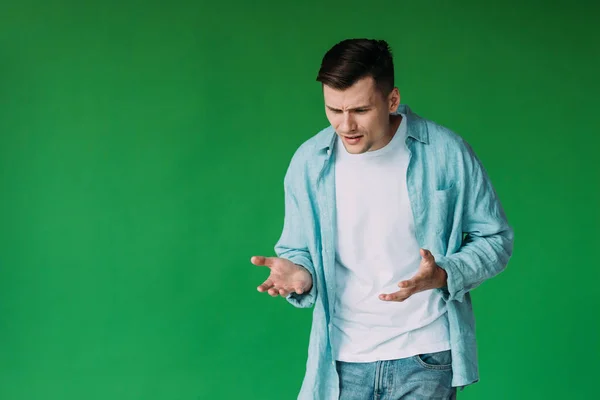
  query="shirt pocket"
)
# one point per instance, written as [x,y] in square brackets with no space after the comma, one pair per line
[444,200]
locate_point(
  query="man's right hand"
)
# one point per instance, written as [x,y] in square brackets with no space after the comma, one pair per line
[284,278]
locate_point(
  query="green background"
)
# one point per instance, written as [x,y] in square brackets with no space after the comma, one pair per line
[142,151]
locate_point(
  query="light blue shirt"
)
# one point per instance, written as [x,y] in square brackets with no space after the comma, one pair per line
[457,216]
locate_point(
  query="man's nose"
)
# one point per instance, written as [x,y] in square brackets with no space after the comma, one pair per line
[348,123]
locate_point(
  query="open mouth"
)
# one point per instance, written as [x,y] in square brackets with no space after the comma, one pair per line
[352,139]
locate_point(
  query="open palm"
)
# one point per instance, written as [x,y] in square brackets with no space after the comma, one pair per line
[284,278]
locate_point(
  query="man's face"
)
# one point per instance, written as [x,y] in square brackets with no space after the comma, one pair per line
[360,115]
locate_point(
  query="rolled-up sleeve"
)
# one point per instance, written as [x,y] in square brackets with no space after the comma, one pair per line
[488,243]
[292,244]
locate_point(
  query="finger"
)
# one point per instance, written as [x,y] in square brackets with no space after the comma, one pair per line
[266,285]
[273,292]
[283,293]
[399,296]
[262,261]
[415,284]
[407,284]
[395,297]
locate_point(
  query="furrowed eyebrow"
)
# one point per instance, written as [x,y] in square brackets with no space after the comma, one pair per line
[350,109]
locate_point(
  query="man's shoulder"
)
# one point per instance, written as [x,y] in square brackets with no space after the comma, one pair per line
[312,147]
[442,135]
[443,140]
[449,147]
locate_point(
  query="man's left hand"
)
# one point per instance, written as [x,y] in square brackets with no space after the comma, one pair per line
[429,276]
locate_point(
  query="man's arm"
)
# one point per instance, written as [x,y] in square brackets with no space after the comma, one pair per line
[292,244]
[488,244]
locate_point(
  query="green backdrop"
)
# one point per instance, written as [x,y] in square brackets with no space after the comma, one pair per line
[142,151]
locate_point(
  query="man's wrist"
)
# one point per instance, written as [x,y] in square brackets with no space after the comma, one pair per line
[442,277]
[306,290]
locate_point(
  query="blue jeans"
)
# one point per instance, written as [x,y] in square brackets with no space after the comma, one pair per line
[423,377]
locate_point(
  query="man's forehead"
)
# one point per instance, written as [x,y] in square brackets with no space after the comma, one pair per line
[349,98]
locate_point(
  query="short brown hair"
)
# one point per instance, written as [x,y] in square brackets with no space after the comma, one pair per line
[353,59]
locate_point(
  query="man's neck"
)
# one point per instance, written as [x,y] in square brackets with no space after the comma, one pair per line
[395,120]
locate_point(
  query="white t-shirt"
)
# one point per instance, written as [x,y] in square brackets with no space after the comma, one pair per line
[376,248]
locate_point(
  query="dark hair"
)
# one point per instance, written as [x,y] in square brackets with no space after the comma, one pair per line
[353,59]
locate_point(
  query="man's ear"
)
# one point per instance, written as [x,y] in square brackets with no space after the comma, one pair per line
[394,100]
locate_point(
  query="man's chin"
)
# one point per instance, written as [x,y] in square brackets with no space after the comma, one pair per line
[355,149]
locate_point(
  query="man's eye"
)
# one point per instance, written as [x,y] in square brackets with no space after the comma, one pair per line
[361,111]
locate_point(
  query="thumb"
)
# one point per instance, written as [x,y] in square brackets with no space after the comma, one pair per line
[426,254]
[262,261]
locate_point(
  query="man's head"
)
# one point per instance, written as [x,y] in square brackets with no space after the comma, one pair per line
[358,87]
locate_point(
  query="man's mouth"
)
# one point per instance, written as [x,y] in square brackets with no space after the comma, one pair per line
[354,139]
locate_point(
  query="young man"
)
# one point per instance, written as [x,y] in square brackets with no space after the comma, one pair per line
[390,222]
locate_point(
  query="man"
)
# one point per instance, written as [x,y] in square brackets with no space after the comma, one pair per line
[390,222]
